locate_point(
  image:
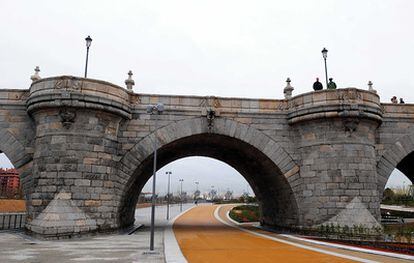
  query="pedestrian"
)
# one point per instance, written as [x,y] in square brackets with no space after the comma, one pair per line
[317,85]
[402,101]
[331,84]
[394,99]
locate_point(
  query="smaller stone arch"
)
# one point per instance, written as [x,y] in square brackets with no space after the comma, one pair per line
[398,155]
[18,156]
[14,149]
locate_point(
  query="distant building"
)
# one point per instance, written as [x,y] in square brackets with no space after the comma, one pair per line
[9,181]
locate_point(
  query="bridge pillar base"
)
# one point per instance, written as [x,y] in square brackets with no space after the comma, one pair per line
[62,218]
[336,133]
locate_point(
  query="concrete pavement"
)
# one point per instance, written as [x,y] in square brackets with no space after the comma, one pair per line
[17,247]
[201,236]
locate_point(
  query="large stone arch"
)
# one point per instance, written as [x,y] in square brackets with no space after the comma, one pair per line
[398,155]
[136,163]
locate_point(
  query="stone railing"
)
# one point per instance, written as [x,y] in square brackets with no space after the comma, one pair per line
[340,103]
[13,96]
[392,110]
[68,91]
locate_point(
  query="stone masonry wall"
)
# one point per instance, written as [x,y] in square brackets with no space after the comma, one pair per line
[84,146]
[394,141]
[80,160]
[335,136]
[75,184]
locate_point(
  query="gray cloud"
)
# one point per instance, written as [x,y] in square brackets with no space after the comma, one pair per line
[221,48]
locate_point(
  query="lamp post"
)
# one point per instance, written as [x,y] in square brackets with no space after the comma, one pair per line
[168,195]
[181,194]
[325,55]
[88,44]
[196,193]
[154,109]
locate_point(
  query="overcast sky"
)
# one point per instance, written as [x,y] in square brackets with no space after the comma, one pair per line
[222,48]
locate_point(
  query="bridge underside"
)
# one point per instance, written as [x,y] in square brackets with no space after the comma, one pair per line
[406,166]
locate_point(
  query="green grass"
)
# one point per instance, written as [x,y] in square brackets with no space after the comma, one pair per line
[245,213]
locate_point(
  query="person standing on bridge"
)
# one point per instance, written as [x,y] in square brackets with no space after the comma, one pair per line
[317,85]
[331,84]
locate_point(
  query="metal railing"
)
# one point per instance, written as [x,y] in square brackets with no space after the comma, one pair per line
[12,220]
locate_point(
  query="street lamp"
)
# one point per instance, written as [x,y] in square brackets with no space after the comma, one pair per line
[154,109]
[196,193]
[88,44]
[325,55]
[168,195]
[181,194]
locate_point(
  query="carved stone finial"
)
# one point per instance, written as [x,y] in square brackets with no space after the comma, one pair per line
[288,89]
[129,82]
[36,74]
[370,88]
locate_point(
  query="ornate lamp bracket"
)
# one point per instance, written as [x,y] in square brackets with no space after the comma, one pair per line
[211,114]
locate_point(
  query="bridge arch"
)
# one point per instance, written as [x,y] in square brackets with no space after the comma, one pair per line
[14,150]
[18,156]
[399,155]
[263,162]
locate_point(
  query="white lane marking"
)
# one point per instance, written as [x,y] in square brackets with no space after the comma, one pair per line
[216,215]
[364,250]
[172,250]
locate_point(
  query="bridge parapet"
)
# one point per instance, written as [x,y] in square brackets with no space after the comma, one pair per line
[200,104]
[392,110]
[69,91]
[341,103]
[13,96]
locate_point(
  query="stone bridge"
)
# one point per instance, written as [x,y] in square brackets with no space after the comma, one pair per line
[84,151]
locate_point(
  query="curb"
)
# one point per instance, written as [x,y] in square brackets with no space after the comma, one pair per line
[172,250]
[351,248]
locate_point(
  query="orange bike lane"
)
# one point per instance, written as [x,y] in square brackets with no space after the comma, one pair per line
[203,238]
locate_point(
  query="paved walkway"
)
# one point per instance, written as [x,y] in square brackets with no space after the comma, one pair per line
[17,247]
[202,237]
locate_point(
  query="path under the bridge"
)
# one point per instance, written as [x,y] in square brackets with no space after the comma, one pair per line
[204,235]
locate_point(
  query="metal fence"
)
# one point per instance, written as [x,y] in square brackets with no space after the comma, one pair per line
[12,220]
